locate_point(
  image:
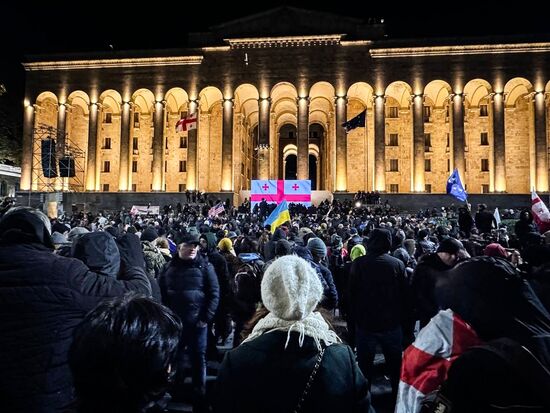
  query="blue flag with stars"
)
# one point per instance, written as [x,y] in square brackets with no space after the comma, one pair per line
[355,122]
[455,188]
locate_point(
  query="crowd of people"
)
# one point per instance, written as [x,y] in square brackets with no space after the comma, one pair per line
[111,311]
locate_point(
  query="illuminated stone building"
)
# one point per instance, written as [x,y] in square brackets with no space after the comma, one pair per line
[271,92]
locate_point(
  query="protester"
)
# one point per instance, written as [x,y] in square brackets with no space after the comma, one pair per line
[43,297]
[189,287]
[292,360]
[123,356]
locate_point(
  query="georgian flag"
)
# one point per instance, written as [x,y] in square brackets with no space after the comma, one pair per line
[276,191]
[427,361]
[187,123]
[541,215]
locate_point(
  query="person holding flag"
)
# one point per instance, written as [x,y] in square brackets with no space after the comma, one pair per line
[455,187]
[541,215]
[279,216]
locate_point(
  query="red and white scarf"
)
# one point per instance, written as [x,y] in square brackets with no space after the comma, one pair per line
[427,361]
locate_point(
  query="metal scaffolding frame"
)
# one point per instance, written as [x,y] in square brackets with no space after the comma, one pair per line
[69,150]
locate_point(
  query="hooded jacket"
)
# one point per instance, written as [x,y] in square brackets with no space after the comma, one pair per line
[43,297]
[378,288]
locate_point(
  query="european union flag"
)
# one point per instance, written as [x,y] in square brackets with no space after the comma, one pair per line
[355,122]
[455,188]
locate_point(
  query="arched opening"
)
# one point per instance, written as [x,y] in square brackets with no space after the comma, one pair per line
[291,167]
[313,171]
[287,139]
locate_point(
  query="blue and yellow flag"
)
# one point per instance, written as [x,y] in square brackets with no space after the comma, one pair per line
[279,216]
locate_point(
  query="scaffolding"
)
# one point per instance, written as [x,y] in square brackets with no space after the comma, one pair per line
[65,150]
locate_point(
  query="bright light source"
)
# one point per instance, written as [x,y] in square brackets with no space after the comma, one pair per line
[358,204]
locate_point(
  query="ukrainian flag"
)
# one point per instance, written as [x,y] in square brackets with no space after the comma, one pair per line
[279,216]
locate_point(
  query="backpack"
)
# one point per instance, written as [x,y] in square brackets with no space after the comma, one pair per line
[247,280]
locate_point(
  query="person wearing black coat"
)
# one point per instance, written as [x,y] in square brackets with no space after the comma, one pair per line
[511,371]
[292,360]
[43,297]
[426,275]
[485,221]
[379,301]
[465,221]
[189,287]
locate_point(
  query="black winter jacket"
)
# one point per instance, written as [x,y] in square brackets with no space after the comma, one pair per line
[42,298]
[379,293]
[263,376]
[190,288]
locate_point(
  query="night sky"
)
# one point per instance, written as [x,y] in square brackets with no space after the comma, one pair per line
[47,27]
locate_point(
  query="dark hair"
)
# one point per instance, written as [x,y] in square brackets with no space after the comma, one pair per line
[121,355]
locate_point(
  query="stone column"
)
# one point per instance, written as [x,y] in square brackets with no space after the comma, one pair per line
[61,127]
[192,175]
[28,148]
[341,144]
[263,139]
[303,138]
[158,146]
[61,183]
[541,147]
[499,152]
[91,162]
[227,146]
[379,144]
[418,178]
[124,154]
[459,161]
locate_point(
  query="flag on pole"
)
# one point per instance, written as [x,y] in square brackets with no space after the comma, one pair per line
[180,125]
[187,123]
[541,215]
[216,210]
[455,188]
[191,121]
[279,216]
[496,214]
[355,122]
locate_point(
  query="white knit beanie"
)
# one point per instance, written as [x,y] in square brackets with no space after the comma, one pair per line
[291,288]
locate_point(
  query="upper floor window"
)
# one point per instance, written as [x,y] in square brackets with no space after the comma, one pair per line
[394,139]
[393,112]
[484,138]
[427,112]
[483,110]
[108,118]
[427,165]
[183,141]
[107,143]
[427,142]
[394,165]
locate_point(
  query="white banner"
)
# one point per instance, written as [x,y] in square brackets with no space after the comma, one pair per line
[145,210]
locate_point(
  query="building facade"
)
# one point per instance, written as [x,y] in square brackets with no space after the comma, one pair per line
[271,92]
